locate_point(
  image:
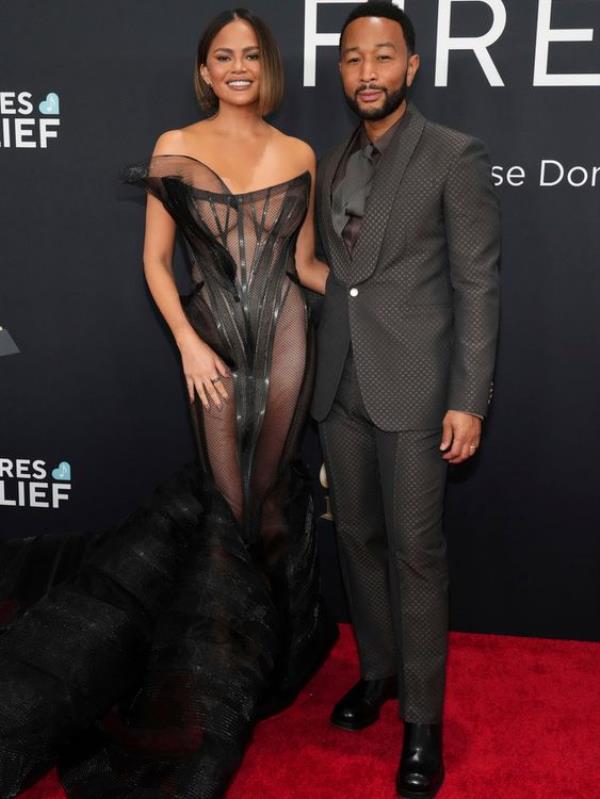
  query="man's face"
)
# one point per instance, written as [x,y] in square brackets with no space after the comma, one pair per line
[376,66]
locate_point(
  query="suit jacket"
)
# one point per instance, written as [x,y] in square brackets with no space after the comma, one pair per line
[418,300]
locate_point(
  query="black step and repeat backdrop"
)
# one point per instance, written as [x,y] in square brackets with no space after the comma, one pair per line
[92,407]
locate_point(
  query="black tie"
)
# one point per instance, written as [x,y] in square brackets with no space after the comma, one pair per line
[349,197]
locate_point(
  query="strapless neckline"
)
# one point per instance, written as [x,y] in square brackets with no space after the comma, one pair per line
[291,181]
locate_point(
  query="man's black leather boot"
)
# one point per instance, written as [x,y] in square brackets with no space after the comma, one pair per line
[421,770]
[361,705]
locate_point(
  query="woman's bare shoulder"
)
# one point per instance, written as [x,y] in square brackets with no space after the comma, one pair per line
[181,141]
[296,150]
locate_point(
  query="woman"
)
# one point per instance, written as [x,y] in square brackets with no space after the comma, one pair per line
[202,611]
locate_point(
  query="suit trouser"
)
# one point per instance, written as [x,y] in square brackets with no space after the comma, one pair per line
[387,493]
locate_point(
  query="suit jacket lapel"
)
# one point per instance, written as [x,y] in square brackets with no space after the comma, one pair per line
[388,177]
[337,250]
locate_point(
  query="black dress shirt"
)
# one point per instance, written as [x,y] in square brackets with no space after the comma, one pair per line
[353,227]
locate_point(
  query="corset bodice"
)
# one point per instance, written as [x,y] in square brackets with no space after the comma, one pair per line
[236,241]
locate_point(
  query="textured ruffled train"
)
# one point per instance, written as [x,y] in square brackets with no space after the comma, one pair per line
[142,674]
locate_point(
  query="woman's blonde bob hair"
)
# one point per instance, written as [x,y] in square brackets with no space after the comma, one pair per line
[271,75]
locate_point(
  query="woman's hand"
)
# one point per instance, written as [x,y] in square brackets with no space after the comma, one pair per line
[203,369]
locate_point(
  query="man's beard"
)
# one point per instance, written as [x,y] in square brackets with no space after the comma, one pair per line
[392,102]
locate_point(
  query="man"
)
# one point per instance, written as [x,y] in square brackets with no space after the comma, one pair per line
[410,226]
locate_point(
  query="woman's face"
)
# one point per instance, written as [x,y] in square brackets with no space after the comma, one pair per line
[233,64]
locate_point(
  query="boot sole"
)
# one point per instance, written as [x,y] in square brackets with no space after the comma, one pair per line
[419,794]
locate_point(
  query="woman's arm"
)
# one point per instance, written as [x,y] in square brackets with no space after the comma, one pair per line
[312,273]
[200,363]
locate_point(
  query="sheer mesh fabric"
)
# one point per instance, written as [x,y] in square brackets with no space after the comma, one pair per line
[142,668]
[257,321]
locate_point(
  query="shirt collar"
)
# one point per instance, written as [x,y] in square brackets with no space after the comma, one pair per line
[382,143]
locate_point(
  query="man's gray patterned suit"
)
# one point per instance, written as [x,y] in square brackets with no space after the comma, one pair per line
[408,331]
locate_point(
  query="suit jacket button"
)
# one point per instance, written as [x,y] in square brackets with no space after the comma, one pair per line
[353,292]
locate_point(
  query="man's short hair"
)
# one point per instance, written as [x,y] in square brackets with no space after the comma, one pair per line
[384,8]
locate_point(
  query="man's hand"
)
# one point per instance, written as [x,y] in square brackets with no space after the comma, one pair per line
[461,435]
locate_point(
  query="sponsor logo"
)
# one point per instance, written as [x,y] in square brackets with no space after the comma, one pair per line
[26,483]
[51,105]
[26,123]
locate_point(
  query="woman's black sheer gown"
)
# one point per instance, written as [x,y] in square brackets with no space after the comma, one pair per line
[151,648]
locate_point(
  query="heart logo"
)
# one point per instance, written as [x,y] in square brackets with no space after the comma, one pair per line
[51,105]
[62,471]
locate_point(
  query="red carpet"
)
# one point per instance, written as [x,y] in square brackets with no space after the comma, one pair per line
[522,722]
